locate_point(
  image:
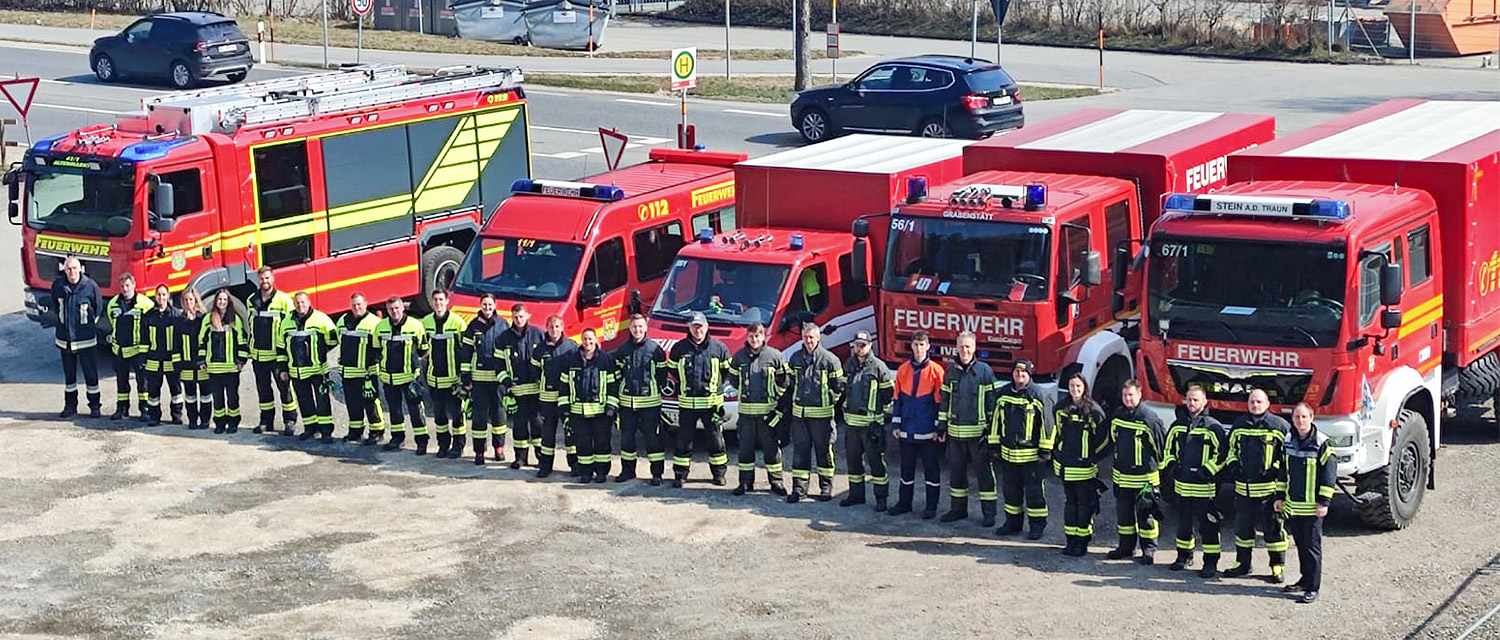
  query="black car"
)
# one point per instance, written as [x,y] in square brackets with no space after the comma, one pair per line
[182,47]
[931,95]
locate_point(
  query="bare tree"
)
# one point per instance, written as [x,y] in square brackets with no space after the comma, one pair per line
[799,43]
[1211,14]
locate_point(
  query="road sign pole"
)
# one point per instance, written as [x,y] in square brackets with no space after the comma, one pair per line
[359,41]
[728,53]
[325,34]
[835,61]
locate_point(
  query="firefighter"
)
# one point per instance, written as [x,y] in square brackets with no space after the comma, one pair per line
[194,380]
[357,368]
[400,342]
[1304,489]
[700,362]
[1136,436]
[554,346]
[1081,441]
[914,424]
[307,335]
[866,409]
[1254,463]
[161,324]
[480,371]
[78,302]
[1196,448]
[761,374]
[445,331]
[127,339]
[964,416]
[817,383]
[267,307]
[1023,433]
[516,350]
[642,370]
[591,397]
[223,349]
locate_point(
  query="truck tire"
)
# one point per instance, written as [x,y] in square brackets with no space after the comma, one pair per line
[1391,497]
[439,267]
[1107,383]
[1479,380]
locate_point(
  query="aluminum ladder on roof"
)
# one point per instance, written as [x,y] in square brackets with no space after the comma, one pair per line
[347,78]
[446,81]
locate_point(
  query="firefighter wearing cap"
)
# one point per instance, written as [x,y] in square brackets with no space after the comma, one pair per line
[964,417]
[517,349]
[1254,463]
[701,363]
[817,383]
[1023,432]
[444,378]
[306,336]
[357,362]
[642,363]
[480,373]
[866,408]
[1195,455]
[548,355]
[761,374]
[1137,437]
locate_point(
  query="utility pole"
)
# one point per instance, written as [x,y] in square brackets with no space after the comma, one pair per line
[800,20]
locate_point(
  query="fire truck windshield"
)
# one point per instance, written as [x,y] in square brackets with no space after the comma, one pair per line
[77,200]
[1247,293]
[724,291]
[968,258]
[519,268]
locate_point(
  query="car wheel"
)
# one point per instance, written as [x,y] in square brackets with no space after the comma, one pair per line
[814,125]
[237,76]
[934,128]
[182,76]
[104,68]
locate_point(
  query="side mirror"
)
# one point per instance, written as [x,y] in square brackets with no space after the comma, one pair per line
[792,320]
[859,261]
[590,295]
[1119,268]
[14,212]
[163,224]
[1390,284]
[861,228]
[166,201]
[1067,298]
[1092,269]
[636,304]
[1390,319]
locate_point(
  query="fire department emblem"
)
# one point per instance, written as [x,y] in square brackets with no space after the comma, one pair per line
[179,260]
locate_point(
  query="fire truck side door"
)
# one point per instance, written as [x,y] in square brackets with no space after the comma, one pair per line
[190,247]
[607,274]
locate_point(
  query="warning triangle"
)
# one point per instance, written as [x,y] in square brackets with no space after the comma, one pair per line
[20,91]
[613,143]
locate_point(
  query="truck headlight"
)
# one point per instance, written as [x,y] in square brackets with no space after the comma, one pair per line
[1341,441]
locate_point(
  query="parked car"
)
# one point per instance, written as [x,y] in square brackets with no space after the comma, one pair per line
[183,47]
[929,95]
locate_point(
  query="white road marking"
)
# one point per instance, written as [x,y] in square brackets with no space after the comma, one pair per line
[65,107]
[561,155]
[1478,623]
[646,102]
[756,113]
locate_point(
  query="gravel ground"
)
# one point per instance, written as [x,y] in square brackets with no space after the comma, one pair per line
[165,533]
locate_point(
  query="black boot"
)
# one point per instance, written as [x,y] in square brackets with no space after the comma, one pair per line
[94,404]
[572,459]
[232,424]
[881,492]
[1241,563]
[903,500]
[742,489]
[718,472]
[1071,547]
[373,438]
[855,496]
[1038,527]
[397,439]
[929,509]
[221,425]
[825,486]
[1083,546]
[1011,527]
[601,472]
[192,415]
[778,486]
[309,431]
[205,411]
[177,413]
[543,465]
[327,433]
[627,471]
[70,405]
[355,434]
[1148,555]
[122,411]
[1183,558]
[987,513]
[799,490]
[263,427]
[658,468]
[585,473]
[522,457]
[456,446]
[480,445]
[444,442]
[958,510]
[1124,550]
[152,416]
[1210,566]
[422,445]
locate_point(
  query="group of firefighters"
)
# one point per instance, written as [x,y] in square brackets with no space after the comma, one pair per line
[487,377]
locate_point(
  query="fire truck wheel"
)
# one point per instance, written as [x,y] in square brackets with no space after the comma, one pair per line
[1107,383]
[181,75]
[104,69]
[439,268]
[1394,494]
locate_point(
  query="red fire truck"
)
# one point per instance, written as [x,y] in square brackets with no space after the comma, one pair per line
[1013,251]
[320,176]
[1354,266]
[596,250]
[793,259]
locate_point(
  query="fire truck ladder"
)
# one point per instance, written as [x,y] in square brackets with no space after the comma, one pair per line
[365,76]
[444,82]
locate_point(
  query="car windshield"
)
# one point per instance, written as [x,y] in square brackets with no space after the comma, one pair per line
[724,291]
[1247,293]
[90,199]
[519,268]
[968,258]
[990,81]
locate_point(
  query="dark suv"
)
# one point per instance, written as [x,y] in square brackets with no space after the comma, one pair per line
[182,47]
[931,95]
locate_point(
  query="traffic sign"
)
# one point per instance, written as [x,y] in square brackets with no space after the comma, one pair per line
[362,7]
[612,142]
[19,91]
[684,68]
[833,40]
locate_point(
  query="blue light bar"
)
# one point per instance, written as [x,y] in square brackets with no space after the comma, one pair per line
[1336,209]
[566,189]
[1180,202]
[705,235]
[796,243]
[45,144]
[153,150]
[916,189]
[1036,196]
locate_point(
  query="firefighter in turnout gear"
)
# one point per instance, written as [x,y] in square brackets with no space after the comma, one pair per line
[78,303]
[701,363]
[516,349]
[817,383]
[480,372]
[866,408]
[762,376]
[642,371]
[964,416]
[1254,463]
[223,350]
[1082,441]
[1137,437]
[401,342]
[267,307]
[307,335]
[161,326]
[194,380]
[591,396]
[554,346]
[357,365]
[1304,488]
[125,314]
[1022,437]
[1195,455]
[445,331]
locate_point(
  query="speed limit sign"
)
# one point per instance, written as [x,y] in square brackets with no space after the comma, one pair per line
[362,7]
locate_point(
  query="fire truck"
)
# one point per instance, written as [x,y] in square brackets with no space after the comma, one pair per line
[368,179]
[792,258]
[1014,251]
[596,250]
[1354,266]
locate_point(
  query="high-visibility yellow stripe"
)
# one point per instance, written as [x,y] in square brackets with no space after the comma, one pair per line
[1429,305]
[288,232]
[364,278]
[394,207]
[1417,324]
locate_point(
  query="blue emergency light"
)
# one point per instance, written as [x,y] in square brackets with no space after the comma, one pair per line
[1181,202]
[796,243]
[1268,206]
[706,235]
[606,192]
[916,189]
[1036,196]
[1336,209]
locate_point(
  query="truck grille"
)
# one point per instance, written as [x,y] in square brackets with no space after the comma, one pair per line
[1234,382]
[48,266]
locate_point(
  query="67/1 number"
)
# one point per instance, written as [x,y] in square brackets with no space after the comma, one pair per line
[1174,251]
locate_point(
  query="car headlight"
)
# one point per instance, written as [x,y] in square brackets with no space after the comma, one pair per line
[1341,441]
